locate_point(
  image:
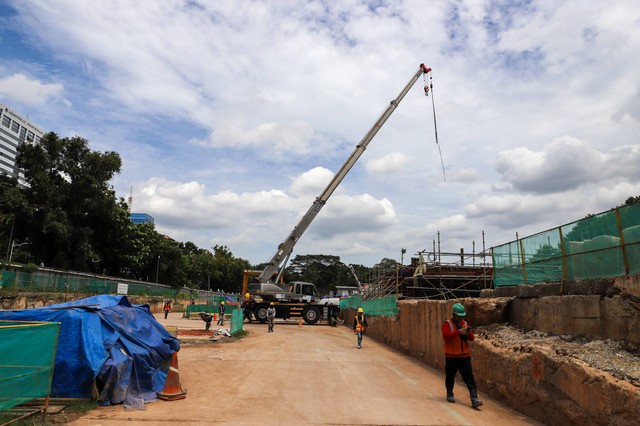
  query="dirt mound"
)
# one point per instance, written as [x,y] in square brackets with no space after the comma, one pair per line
[191,332]
[622,360]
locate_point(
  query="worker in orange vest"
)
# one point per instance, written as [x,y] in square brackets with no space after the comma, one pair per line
[360,325]
[457,334]
[167,307]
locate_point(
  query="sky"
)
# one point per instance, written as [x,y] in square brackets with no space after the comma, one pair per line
[231,117]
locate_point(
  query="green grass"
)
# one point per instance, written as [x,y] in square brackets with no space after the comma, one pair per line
[72,410]
[241,333]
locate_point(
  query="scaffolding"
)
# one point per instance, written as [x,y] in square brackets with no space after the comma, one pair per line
[436,274]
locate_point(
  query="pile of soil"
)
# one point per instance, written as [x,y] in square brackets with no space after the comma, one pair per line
[622,360]
[191,332]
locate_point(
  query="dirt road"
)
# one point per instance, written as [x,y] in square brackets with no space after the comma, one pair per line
[305,375]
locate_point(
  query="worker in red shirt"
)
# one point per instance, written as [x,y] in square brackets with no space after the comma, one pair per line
[457,335]
[167,308]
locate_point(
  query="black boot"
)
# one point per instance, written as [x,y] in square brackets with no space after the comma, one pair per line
[475,402]
[450,397]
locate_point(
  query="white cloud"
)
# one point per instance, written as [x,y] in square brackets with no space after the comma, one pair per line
[230,116]
[565,164]
[271,137]
[20,88]
[312,182]
[390,163]
[465,175]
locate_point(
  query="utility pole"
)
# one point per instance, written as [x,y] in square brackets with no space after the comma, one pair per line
[9,246]
[157,269]
[14,245]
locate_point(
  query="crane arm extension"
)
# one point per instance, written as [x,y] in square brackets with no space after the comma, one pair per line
[278,260]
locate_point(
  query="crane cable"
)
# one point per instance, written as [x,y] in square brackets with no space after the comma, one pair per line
[435,124]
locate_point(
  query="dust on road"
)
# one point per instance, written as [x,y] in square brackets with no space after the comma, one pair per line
[305,375]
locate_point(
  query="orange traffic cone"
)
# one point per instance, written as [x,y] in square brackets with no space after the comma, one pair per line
[172,390]
[215,316]
[300,322]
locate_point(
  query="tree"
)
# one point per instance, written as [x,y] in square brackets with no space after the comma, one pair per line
[70,201]
[228,270]
[325,271]
[12,204]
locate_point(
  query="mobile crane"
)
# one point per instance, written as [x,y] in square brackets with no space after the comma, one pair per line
[301,299]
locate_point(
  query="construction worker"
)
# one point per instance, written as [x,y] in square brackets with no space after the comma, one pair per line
[457,334]
[167,307]
[246,306]
[221,313]
[207,320]
[359,325]
[271,316]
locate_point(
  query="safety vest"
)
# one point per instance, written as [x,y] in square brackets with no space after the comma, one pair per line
[359,326]
[456,347]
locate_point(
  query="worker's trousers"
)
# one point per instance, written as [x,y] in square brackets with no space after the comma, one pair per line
[270,322]
[359,334]
[452,366]
[221,319]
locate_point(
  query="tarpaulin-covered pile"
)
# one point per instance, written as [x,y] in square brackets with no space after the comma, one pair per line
[107,341]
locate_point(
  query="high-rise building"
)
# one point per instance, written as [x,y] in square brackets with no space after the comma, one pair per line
[141,218]
[14,131]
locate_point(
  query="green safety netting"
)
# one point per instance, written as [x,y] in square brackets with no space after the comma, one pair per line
[630,224]
[27,354]
[383,306]
[599,246]
[237,318]
[38,281]
[215,308]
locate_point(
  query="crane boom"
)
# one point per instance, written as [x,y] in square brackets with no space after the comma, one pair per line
[279,260]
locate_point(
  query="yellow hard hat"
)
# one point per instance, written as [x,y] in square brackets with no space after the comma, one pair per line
[247,296]
[222,303]
[360,310]
[272,303]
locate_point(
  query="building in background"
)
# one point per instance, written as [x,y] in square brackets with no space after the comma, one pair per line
[140,218]
[14,131]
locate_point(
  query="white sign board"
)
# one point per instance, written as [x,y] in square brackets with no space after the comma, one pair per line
[123,288]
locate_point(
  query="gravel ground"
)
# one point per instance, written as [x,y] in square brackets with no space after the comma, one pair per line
[619,359]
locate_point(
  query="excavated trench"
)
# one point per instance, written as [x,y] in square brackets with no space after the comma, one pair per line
[562,354]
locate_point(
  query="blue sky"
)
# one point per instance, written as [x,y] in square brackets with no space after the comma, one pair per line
[232,116]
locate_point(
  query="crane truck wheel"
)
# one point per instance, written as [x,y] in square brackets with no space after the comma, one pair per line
[260,312]
[311,315]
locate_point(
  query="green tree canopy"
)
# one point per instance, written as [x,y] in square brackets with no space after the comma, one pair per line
[69,198]
[325,271]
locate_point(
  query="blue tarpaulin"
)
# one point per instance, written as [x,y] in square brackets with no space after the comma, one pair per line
[105,340]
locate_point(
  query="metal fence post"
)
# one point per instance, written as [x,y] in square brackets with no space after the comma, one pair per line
[623,246]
